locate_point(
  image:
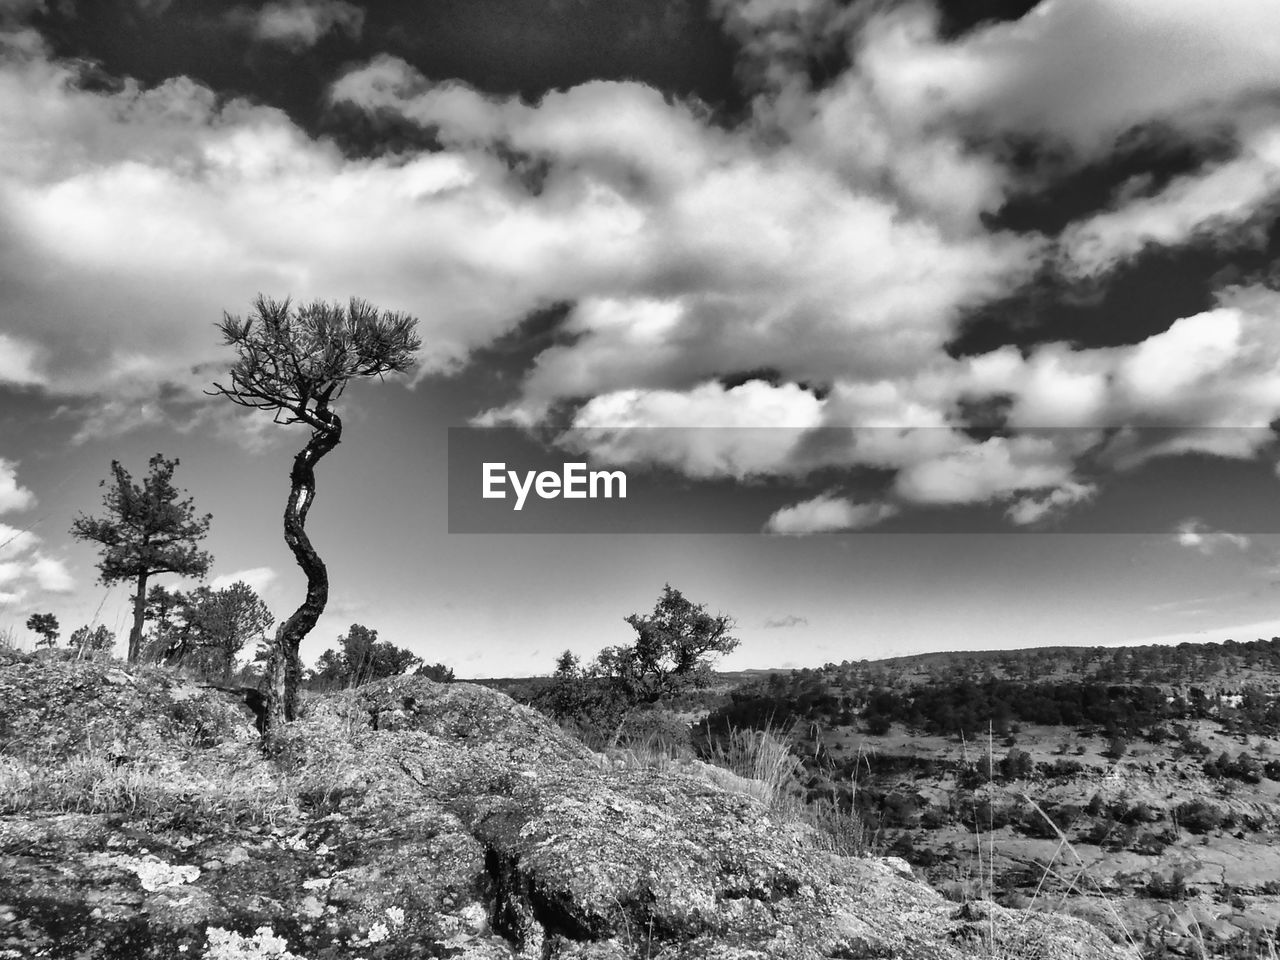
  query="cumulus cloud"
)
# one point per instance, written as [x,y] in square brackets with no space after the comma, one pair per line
[19,364]
[1033,510]
[13,496]
[24,567]
[298,24]
[836,237]
[1080,71]
[722,253]
[1086,78]
[1204,385]
[51,575]
[259,578]
[1197,535]
[1219,201]
[709,431]
[827,514]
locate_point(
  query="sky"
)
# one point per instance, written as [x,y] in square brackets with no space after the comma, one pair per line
[913,325]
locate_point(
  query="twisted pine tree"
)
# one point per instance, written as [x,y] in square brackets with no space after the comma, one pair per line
[296,362]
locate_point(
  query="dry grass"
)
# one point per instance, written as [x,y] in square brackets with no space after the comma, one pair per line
[223,791]
[763,757]
[759,764]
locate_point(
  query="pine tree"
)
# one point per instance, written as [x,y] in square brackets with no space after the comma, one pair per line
[296,362]
[148,530]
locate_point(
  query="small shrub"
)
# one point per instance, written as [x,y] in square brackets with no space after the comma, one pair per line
[1199,816]
[1173,887]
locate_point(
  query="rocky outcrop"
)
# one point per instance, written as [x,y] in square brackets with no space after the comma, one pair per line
[412,819]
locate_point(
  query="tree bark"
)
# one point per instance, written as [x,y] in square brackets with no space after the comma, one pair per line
[283,668]
[139,618]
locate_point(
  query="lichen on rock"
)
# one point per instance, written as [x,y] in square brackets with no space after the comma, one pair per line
[413,819]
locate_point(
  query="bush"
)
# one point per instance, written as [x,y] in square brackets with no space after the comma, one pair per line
[1173,887]
[1199,816]
[1060,769]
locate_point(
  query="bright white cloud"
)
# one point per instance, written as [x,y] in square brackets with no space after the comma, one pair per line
[1197,535]
[259,578]
[835,237]
[1084,71]
[1032,510]
[13,496]
[826,514]
[25,568]
[709,431]
[51,575]
[19,362]
[722,253]
[988,470]
[1213,202]
[1085,78]
[299,24]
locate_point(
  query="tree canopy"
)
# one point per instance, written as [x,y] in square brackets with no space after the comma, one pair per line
[148,529]
[207,627]
[46,626]
[362,657]
[673,649]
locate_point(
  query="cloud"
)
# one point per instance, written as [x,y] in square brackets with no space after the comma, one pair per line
[988,470]
[13,496]
[709,431]
[721,253]
[825,514]
[299,24]
[24,567]
[1216,202]
[1080,71]
[51,575]
[1032,510]
[259,578]
[19,362]
[1085,80]
[836,236]
[786,622]
[1196,535]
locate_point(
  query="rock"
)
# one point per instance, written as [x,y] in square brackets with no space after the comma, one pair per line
[413,819]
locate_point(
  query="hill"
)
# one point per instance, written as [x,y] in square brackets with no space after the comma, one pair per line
[408,818]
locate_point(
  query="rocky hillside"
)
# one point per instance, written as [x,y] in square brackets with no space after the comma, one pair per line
[140,818]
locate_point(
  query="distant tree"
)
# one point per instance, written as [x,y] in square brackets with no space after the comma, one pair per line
[92,640]
[163,608]
[1017,765]
[566,664]
[361,658]
[436,671]
[296,362]
[208,628]
[673,649]
[148,530]
[46,625]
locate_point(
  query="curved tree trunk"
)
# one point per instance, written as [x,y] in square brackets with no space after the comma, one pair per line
[283,668]
[139,618]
